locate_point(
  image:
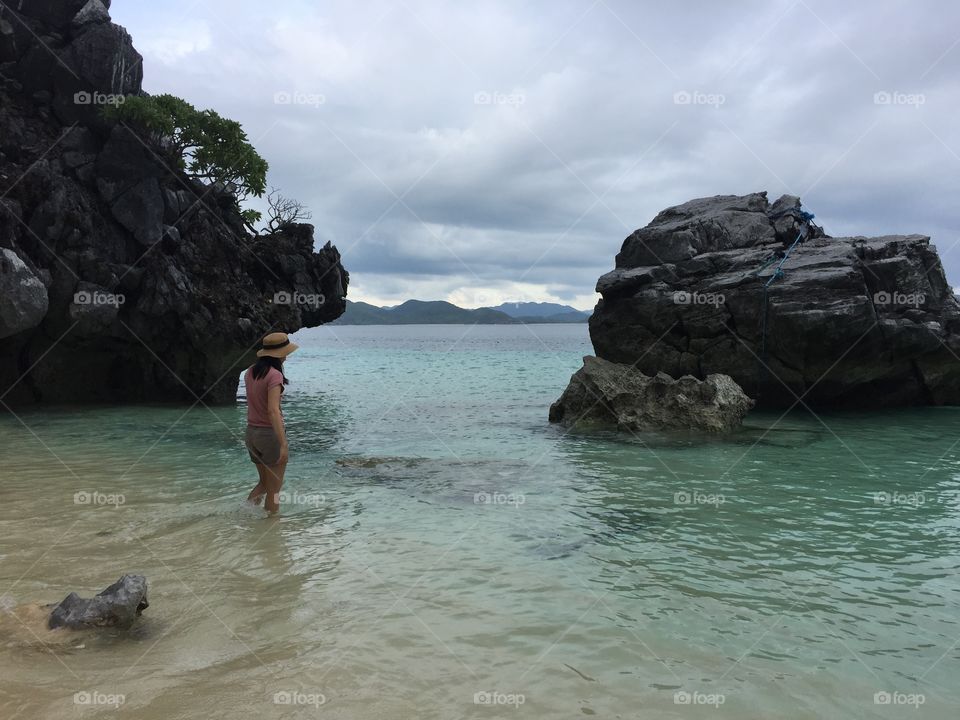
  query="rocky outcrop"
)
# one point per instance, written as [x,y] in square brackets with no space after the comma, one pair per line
[24,295]
[123,279]
[116,606]
[846,322]
[606,394]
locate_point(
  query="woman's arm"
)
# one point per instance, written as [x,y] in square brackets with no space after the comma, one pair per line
[276,420]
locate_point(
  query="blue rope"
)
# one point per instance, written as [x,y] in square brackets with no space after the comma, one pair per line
[778,273]
[766,263]
[805,218]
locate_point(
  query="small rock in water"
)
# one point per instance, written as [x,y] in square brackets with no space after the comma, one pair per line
[116,606]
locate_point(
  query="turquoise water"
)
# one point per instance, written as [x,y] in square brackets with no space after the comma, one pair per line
[440,540]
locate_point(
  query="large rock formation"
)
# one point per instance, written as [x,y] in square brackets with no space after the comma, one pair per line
[848,322]
[116,606]
[122,278]
[603,394]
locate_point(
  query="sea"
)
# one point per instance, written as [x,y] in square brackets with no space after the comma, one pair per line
[443,551]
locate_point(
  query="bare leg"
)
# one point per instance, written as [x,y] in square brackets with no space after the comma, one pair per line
[273,481]
[260,489]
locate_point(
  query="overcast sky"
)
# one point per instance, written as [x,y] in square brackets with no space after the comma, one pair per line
[480,152]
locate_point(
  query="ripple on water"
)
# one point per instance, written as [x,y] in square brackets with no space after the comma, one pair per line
[442,540]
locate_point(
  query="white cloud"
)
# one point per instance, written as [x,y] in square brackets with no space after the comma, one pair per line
[173,45]
[535,197]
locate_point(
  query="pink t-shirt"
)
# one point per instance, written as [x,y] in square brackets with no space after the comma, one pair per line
[257,414]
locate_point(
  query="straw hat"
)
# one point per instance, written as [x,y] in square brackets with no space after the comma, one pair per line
[276,345]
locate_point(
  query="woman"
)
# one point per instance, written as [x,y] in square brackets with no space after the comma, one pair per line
[266,436]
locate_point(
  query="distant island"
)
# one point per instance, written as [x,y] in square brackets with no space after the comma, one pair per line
[439,312]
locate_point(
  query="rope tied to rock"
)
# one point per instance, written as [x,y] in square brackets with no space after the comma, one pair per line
[804,218]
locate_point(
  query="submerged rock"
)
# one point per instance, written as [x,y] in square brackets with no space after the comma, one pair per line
[123,279]
[365,463]
[603,393]
[849,322]
[116,606]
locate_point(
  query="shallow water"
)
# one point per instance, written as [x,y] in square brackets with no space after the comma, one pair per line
[439,539]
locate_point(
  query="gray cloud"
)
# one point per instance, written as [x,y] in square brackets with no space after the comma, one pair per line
[527,140]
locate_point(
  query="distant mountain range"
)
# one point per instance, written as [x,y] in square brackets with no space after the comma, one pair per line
[439,312]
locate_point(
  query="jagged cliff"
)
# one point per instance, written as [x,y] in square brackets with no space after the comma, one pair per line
[121,278]
[847,322]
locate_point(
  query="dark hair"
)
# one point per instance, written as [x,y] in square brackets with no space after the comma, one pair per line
[262,366]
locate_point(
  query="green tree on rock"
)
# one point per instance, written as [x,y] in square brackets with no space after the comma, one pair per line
[203,144]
